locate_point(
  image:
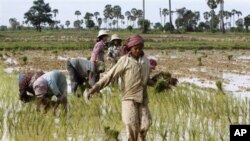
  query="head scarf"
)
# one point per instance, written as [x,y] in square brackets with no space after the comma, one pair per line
[40,87]
[131,42]
[152,63]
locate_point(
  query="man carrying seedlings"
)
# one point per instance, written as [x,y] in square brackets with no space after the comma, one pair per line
[26,85]
[50,84]
[133,69]
[83,71]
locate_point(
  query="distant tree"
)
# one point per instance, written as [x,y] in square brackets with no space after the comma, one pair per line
[38,14]
[88,20]
[117,14]
[128,15]
[168,27]
[238,13]
[158,26]
[146,26]
[240,24]
[122,17]
[55,11]
[233,14]
[77,24]
[221,2]
[67,23]
[247,22]
[77,13]
[170,15]
[108,13]
[14,23]
[96,14]
[99,21]
[212,5]
[165,12]
[206,16]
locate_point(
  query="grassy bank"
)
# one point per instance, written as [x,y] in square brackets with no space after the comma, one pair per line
[71,39]
[184,113]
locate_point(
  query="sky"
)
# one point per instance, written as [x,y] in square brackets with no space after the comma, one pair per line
[17,8]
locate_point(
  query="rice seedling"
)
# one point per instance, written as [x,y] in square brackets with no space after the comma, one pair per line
[199,61]
[219,87]
[24,60]
[230,57]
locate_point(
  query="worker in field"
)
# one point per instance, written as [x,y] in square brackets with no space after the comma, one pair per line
[133,69]
[98,50]
[25,82]
[50,84]
[114,51]
[82,72]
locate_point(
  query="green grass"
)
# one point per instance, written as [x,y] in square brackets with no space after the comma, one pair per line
[201,114]
[73,39]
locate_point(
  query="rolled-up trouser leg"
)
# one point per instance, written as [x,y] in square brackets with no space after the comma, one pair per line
[145,121]
[130,117]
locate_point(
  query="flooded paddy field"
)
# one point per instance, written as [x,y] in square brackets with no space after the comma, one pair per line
[191,111]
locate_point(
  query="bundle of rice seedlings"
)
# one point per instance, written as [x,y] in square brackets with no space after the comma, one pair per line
[161,85]
[166,75]
[199,61]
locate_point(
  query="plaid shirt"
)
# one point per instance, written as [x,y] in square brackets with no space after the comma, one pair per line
[25,84]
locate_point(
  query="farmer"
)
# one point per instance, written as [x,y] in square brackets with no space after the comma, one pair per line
[98,51]
[26,85]
[114,50]
[50,84]
[133,69]
[83,71]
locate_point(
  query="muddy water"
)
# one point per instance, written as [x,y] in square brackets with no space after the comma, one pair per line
[234,73]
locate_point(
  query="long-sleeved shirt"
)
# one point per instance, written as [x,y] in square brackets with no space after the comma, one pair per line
[98,52]
[134,78]
[82,67]
[57,83]
[114,52]
[25,84]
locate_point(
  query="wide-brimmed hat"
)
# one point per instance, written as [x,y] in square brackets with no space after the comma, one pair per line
[102,32]
[115,37]
[40,87]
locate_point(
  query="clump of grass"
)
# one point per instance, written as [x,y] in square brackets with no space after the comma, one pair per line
[166,75]
[199,61]
[55,52]
[195,51]
[219,87]
[111,134]
[230,57]
[24,60]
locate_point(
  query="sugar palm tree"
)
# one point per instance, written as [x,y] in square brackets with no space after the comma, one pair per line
[128,15]
[96,14]
[221,2]
[170,15]
[233,14]
[67,23]
[77,13]
[165,12]
[212,5]
[116,13]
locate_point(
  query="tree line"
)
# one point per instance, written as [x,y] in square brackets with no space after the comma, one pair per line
[41,15]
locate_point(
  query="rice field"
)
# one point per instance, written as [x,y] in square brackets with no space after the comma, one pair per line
[184,113]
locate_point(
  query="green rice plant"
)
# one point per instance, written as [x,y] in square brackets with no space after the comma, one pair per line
[219,87]
[199,61]
[230,57]
[24,60]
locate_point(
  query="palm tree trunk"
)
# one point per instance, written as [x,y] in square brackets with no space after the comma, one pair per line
[170,16]
[117,23]
[222,18]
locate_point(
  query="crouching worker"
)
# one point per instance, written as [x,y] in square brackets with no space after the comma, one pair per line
[50,84]
[133,69]
[83,71]
[26,85]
